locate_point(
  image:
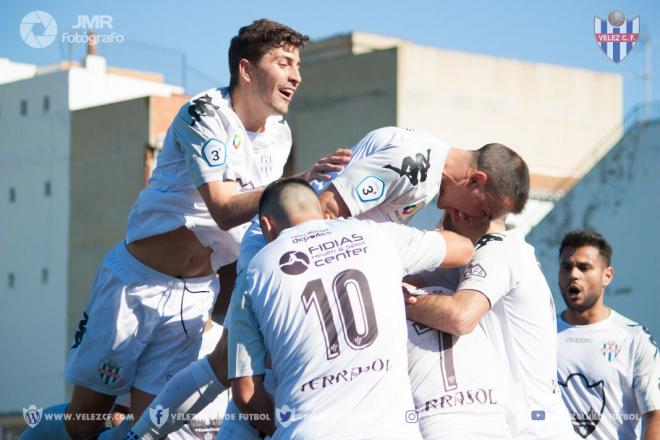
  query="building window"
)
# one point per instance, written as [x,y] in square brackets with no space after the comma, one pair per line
[12,194]
[11,280]
[44,275]
[47,188]
[23,107]
[46,103]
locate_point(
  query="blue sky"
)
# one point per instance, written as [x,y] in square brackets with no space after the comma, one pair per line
[159,34]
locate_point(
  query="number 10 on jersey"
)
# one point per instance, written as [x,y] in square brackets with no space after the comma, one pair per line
[356,310]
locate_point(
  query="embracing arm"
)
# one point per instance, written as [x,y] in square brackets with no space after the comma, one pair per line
[457,314]
[228,206]
[250,397]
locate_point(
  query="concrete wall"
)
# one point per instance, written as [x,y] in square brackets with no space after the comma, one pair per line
[34,150]
[619,199]
[551,115]
[340,100]
[108,146]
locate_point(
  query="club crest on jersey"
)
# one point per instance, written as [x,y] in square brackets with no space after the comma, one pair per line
[416,170]
[109,371]
[616,36]
[610,350]
[475,270]
[294,263]
[587,403]
[370,189]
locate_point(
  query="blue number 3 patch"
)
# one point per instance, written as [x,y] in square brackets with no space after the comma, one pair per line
[214,152]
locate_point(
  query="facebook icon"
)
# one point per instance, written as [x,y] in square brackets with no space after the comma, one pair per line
[159,415]
[538,415]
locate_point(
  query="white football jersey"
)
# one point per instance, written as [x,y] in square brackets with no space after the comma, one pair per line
[392,174]
[207,142]
[609,374]
[325,301]
[455,395]
[521,325]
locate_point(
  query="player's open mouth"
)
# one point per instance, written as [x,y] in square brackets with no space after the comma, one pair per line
[574,291]
[287,93]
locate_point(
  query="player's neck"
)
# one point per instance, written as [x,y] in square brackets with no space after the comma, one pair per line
[591,316]
[248,110]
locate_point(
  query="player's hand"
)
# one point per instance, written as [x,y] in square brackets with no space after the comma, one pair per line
[407,297]
[331,163]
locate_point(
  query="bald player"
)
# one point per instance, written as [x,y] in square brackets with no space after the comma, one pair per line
[330,315]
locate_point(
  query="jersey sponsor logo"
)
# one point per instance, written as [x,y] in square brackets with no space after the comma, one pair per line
[294,263]
[578,340]
[477,396]
[82,329]
[109,371]
[302,238]
[483,241]
[214,152]
[475,270]
[202,106]
[370,189]
[585,402]
[347,375]
[416,170]
[336,250]
[610,350]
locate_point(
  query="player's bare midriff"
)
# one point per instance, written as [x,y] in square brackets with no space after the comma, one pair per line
[176,253]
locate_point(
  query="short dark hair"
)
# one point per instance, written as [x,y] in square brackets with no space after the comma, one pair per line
[587,237]
[253,41]
[508,175]
[272,192]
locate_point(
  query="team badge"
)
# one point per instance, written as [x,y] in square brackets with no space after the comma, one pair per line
[109,372]
[475,270]
[370,189]
[294,263]
[32,415]
[616,36]
[610,350]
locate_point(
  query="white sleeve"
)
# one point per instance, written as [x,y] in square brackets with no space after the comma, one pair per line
[202,139]
[388,173]
[246,347]
[418,250]
[646,373]
[488,272]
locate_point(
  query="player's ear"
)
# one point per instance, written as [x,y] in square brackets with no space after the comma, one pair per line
[245,70]
[478,177]
[268,228]
[608,275]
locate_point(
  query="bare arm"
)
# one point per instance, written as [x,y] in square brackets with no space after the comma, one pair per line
[457,314]
[459,250]
[333,204]
[228,206]
[250,397]
[651,422]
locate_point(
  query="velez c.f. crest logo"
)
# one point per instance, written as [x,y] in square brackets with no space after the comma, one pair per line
[616,36]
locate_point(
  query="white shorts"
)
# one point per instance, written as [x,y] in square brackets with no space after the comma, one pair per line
[140,327]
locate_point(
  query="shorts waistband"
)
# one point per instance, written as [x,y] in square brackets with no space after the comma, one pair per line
[146,274]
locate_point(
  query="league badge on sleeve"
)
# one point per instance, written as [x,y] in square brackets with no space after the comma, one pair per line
[616,36]
[370,189]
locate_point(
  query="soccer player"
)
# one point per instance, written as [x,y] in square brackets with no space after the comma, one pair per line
[504,290]
[323,300]
[392,174]
[154,291]
[451,388]
[608,365]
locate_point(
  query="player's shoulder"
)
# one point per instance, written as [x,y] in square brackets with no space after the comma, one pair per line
[207,104]
[492,241]
[627,326]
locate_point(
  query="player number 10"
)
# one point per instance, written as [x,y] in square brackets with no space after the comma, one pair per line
[347,281]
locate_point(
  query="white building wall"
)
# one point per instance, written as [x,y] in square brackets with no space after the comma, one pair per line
[619,199]
[34,149]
